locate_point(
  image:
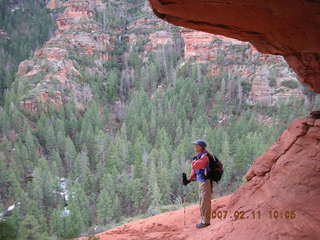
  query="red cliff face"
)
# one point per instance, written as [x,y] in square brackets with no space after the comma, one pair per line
[267,74]
[287,28]
[280,199]
[53,74]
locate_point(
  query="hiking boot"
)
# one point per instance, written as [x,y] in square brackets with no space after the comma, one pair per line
[202,225]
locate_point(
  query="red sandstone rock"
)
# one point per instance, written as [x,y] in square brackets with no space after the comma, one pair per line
[197,45]
[208,48]
[53,68]
[52,53]
[283,180]
[287,28]
[224,56]
[157,39]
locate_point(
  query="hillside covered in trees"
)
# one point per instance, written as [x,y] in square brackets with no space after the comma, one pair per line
[100,102]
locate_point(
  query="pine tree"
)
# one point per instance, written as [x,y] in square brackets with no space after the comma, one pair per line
[154,191]
[55,160]
[44,185]
[30,229]
[113,83]
[70,155]
[61,142]
[50,139]
[56,222]
[15,190]
[71,122]
[108,196]
[31,145]
[78,217]
[8,231]
[81,171]
[74,223]
[42,126]
[228,164]
[81,198]
[105,207]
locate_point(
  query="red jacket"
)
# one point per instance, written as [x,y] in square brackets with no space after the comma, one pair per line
[201,163]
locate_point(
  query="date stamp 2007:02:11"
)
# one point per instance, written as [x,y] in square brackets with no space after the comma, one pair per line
[254,214]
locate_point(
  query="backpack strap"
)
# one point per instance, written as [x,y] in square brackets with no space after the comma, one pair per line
[197,157]
[204,154]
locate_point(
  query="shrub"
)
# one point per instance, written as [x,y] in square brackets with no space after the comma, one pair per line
[272,82]
[7,231]
[246,87]
[289,84]
[93,237]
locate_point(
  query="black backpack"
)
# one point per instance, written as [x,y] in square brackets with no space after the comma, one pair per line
[215,168]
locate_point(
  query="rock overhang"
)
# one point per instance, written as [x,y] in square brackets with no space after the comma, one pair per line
[288,27]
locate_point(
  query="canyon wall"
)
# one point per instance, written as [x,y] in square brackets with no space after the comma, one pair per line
[57,72]
[270,79]
[80,46]
[266,74]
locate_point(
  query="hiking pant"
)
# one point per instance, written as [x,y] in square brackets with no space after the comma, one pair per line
[205,192]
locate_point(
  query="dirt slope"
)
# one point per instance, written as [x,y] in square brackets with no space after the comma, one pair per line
[166,226]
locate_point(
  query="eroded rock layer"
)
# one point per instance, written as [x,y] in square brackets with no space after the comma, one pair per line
[287,28]
[268,79]
[57,72]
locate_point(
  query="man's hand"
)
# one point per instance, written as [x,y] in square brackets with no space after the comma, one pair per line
[185,181]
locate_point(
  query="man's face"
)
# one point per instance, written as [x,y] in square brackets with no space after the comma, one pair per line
[197,148]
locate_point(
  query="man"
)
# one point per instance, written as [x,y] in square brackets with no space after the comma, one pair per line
[199,168]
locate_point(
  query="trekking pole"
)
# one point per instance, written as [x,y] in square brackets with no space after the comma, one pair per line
[184,188]
[184,205]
